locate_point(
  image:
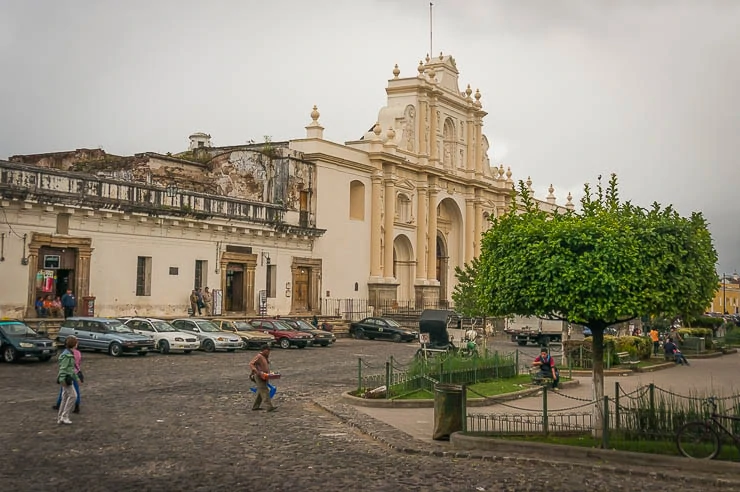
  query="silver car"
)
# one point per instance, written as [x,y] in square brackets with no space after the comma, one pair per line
[211,338]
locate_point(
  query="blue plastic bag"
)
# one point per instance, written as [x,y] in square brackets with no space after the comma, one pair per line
[272,389]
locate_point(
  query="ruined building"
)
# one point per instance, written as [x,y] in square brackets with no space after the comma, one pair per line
[273,227]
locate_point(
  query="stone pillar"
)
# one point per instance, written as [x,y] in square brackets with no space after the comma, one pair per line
[249,280]
[478,150]
[433,156]
[469,230]
[432,233]
[375,265]
[390,214]
[33,267]
[421,233]
[82,280]
[470,154]
[421,131]
[478,226]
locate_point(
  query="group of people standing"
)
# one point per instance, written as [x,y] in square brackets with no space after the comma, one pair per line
[56,308]
[201,300]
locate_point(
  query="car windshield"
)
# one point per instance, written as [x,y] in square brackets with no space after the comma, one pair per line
[17,330]
[392,322]
[207,327]
[244,326]
[163,326]
[279,325]
[302,325]
[117,326]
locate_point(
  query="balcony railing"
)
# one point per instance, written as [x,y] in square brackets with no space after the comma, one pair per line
[20,181]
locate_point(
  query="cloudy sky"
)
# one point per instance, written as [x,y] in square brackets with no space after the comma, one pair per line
[574,88]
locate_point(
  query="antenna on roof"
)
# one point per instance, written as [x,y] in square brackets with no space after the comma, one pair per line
[431,48]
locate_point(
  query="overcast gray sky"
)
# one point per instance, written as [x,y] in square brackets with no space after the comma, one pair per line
[647,89]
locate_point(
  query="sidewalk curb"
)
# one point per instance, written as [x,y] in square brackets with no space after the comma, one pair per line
[401,442]
[429,403]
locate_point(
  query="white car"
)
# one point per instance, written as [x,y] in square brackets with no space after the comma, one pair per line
[166,337]
[211,338]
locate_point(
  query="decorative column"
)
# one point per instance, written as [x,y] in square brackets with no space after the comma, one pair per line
[249,280]
[375,265]
[421,232]
[478,140]
[421,131]
[469,139]
[433,156]
[478,226]
[390,214]
[432,233]
[469,229]
[33,268]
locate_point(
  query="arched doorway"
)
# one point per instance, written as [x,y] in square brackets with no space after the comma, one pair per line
[449,245]
[403,267]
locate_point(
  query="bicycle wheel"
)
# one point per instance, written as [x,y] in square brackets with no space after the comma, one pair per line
[698,440]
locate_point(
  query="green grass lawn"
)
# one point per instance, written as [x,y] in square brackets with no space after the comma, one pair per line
[665,447]
[487,388]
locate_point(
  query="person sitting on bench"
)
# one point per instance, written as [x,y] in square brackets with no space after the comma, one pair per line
[547,367]
[671,350]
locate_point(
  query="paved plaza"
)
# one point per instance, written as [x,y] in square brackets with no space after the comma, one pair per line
[183,422]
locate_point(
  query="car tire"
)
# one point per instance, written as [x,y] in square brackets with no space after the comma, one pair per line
[10,354]
[209,346]
[396,338]
[164,347]
[284,343]
[114,349]
[359,333]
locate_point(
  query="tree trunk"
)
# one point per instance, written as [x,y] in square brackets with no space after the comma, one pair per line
[598,379]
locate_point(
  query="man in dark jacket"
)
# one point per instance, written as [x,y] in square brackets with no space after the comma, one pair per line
[69,303]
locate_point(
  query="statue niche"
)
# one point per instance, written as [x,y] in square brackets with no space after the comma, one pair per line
[448,137]
[409,128]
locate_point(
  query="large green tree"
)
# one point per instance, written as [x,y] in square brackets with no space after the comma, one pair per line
[607,263]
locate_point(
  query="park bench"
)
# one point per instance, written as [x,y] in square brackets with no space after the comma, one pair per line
[625,359]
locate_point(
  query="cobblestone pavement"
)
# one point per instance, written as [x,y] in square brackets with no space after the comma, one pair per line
[183,422]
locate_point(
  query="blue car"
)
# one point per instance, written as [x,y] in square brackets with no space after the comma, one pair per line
[104,334]
[18,341]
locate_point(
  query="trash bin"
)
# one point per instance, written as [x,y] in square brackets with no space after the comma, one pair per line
[449,410]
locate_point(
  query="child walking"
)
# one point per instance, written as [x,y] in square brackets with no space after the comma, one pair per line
[78,369]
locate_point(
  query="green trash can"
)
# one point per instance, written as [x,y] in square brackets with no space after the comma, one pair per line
[449,410]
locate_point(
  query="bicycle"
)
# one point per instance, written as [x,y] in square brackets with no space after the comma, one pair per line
[703,439]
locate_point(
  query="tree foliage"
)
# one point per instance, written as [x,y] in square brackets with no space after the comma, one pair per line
[464,295]
[610,262]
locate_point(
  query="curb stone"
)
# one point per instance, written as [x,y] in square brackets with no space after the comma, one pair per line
[398,440]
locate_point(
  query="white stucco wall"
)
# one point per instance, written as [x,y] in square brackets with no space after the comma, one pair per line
[345,248]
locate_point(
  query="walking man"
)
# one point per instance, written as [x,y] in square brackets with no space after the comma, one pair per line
[260,367]
[68,304]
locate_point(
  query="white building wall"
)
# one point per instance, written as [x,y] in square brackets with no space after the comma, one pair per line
[345,247]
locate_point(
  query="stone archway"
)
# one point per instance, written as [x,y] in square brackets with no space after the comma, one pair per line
[450,232]
[404,267]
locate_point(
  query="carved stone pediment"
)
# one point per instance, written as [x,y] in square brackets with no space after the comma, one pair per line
[405,184]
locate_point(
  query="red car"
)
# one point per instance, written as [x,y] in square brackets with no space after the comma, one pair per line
[285,336]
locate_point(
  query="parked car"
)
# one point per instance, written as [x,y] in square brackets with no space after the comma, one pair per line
[607,331]
[320,337]
[251,336]
[285,336]
[18,341]
[105,334]
[211,338]
[379,328]
[166,337]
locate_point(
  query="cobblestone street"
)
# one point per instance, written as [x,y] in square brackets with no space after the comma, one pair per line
[183,422]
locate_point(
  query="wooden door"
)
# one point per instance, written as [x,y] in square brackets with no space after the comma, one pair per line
[301,289]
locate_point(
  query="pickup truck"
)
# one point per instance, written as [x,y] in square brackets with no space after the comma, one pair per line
[537,331]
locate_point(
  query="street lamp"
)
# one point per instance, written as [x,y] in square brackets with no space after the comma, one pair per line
[726,277]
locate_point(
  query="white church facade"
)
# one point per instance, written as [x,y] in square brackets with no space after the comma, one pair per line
[288,228]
